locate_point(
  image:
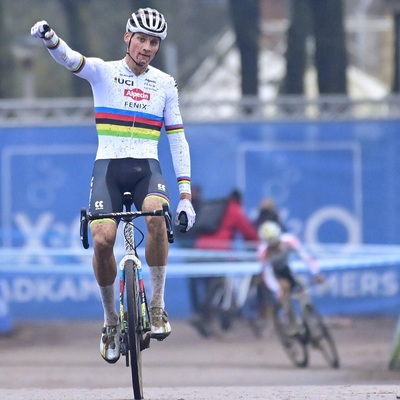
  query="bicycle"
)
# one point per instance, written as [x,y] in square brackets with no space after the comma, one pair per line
[232,299]
[300,327]
[133,308]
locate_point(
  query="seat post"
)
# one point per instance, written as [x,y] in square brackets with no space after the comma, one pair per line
[127,200]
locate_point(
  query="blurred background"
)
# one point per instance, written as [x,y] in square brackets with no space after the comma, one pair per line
[295,101]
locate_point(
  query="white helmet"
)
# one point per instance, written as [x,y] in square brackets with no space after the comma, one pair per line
[148,21]
[270,232]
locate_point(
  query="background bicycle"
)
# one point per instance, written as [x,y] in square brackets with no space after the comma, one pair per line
[300,328]
[236,299]
[134,312]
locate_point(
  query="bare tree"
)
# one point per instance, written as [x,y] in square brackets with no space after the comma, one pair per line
[323,20]
[246,23]
[330,45]
[394,8]
[296,52]
[6,66]
[75,17]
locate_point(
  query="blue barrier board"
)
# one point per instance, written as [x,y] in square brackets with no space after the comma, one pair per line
[71,292]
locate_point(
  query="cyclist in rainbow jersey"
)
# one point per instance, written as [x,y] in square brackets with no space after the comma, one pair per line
[132,102]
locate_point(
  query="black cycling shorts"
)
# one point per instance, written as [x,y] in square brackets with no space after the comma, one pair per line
[111,178]
[286,273]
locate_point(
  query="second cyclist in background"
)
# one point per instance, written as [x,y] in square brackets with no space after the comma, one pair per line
[274,252]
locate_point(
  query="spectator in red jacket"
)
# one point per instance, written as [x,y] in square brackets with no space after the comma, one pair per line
[234,221]
[230,221]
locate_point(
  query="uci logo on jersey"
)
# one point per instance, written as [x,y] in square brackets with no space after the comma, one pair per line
[123,81]
[137,94]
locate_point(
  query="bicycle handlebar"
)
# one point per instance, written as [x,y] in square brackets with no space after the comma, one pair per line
[183,221]
[84,229]
[126,216]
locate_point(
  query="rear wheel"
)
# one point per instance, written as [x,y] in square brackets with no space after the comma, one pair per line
[292,340]
[320,337]
[134,329]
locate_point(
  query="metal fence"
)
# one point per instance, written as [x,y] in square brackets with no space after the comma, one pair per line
[79,111]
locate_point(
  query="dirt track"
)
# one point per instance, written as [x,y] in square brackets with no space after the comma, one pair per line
[62,362]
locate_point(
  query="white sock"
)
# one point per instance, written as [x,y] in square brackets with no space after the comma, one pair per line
[158,276]
[108,300]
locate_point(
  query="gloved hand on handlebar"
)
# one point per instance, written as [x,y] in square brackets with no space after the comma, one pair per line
[185,215]
[42,30]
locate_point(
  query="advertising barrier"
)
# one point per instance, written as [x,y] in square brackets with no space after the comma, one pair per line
[357,286]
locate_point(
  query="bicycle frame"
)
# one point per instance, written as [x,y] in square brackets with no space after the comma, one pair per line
[131,254]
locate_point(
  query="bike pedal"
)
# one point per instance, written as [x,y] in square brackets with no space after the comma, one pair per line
[159,337]
[145,342]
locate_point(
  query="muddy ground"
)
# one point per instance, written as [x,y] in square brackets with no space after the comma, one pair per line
[61,361]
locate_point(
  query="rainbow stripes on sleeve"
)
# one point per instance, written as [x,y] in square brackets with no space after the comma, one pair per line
[184,180]
[184,184]
[53,45]
[174,129]
[80,66]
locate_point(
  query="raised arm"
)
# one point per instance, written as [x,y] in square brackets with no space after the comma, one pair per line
[62,53]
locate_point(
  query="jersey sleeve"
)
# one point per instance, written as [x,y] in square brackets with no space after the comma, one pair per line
[177,139]
[262,252]
[71,59]
[294,243]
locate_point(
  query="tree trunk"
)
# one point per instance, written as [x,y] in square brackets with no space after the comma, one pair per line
[246,23]
[78,38]
[393,6]
[323,20]
[396,75]
[330,48]
[296,54]
[6,60]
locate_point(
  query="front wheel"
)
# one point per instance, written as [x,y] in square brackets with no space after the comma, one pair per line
[292,338]
[320,337]
[134,329]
